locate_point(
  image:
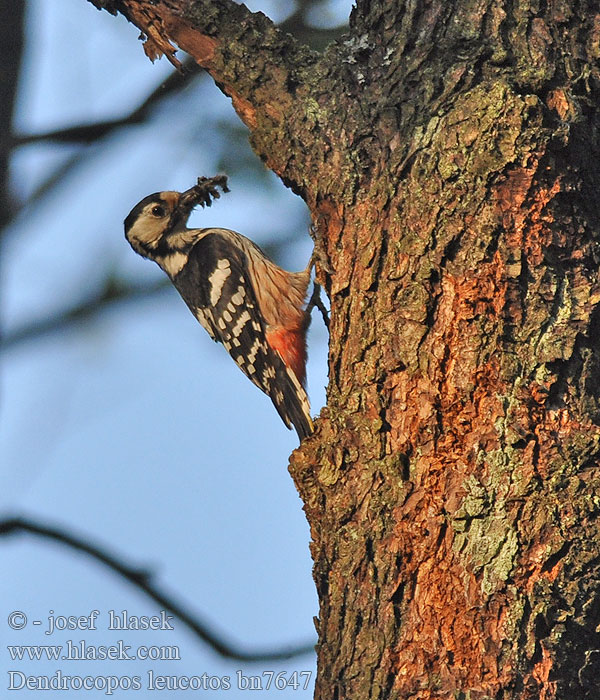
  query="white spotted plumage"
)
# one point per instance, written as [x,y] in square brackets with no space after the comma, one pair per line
[217,279]
[242,299]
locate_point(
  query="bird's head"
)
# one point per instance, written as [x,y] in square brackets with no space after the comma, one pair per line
[155,217]
[150,226]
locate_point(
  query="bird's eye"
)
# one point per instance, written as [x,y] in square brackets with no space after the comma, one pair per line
[158,210]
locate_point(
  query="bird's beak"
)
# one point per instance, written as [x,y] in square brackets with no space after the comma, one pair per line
[189,199]
[183,208]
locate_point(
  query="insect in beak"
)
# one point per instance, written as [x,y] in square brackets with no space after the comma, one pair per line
[203,192]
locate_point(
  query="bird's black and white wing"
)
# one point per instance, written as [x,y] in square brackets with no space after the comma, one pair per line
[216,284]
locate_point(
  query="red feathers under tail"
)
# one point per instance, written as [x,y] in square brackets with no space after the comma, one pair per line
[291,346]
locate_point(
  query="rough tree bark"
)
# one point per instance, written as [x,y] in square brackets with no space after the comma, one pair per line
[448,151]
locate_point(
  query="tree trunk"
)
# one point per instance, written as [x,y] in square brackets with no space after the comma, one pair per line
[448,151]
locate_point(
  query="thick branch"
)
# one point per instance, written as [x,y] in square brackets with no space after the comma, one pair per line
[252,61]
[143,581]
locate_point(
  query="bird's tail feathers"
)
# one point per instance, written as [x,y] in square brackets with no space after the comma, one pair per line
[292,404]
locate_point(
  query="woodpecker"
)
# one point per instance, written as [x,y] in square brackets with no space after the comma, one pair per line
[240,297]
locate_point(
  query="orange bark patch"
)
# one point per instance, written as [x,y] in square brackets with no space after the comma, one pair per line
[541,672]
[161,29]
[461,391]
[201,47]
[444,626]
[150,23]
[243,107]
[557,100]
[527,223]
[537,566]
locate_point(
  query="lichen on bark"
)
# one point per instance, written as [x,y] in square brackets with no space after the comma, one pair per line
[449,154]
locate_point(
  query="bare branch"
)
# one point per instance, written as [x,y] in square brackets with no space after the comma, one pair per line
[112,293]
[88,133]
[142,580]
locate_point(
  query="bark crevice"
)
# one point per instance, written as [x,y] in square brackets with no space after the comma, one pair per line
[450,156]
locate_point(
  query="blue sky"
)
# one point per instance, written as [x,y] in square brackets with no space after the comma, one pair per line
[134,429]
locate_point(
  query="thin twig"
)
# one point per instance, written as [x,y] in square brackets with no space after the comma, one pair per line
[88,133]
[112,293]
[143,581]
